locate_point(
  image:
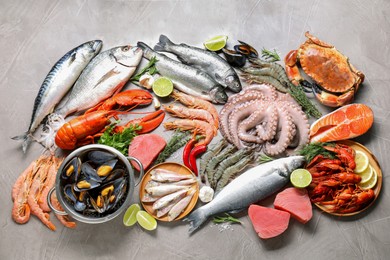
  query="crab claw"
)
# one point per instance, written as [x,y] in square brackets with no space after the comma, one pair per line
[127,98]
[333,100]
[148,123]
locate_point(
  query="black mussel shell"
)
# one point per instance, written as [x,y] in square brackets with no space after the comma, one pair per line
[86,184]
[246,49]
[100,157]
[234,58]
[71,171]
[89,172]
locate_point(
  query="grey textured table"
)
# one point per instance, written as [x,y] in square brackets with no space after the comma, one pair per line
[35,34]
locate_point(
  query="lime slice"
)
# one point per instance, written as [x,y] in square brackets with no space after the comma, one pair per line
[162,87]
[361,160]
[146,220]
[216,43]
[300,178]
[130,218]
[371,182]
[366,174]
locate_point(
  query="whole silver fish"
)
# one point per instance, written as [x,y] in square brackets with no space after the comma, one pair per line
[186,78]
[105,75]
[207,61]
[250,187]
[57,83]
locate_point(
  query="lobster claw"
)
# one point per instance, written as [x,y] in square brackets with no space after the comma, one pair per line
[128,98]
[148,123]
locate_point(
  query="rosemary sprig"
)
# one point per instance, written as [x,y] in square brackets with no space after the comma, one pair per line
[270,56]
[228,218]
[299,95]
[265,158]
[150,68]
[178,140]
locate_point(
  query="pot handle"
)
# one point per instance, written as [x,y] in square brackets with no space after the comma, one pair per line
[141,169]
[58,212]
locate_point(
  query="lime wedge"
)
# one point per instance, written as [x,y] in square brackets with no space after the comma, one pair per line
[300,178]
[130,218]
[146,220]
[162,87]
[361,160]
[216,43]
[371,182]
[366,174]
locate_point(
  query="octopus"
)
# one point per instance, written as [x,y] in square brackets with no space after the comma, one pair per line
[261,117]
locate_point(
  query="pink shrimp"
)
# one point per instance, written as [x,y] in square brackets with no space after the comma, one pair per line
[197,126]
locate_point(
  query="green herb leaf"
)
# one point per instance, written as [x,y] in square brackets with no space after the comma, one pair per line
[228,218]
[311,150]
[178,140]
[299,95]
[265,158]
[119,141]
[150,67]
[271,56]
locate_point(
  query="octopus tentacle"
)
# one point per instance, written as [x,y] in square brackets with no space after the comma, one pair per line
[249,123]
[287,132]
[302,125]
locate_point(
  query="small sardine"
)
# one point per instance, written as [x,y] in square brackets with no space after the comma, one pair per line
[164,210]
[160,191]
[178,183]
[207,61]
[164,201]
[186,78]
[105,75]
[149,198]
[180,206]
[162,175]
[57,83]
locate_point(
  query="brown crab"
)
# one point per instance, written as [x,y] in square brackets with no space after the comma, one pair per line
[336,80]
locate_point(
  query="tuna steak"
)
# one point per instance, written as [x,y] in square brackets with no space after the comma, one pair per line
[268,222]
[296,202]
[146,148]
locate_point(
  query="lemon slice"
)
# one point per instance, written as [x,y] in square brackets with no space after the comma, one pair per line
[162,87]
[146,220]
[300,178]
[130,218]
[361,160]
[216,43]
[366,174]
[371,182]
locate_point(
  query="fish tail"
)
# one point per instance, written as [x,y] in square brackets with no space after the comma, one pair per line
[163,44]
[26,137]
[196,219]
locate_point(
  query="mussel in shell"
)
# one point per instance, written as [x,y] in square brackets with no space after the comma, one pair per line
[100,157]
[72,170]
[234,58]
[246,49]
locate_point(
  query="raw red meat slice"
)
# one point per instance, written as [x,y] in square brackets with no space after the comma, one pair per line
[296,202]
[146,148]
[268,222]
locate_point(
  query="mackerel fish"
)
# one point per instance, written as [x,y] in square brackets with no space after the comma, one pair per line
[251,186]
[186,78]
[57,83]
[207,61]
[105,75]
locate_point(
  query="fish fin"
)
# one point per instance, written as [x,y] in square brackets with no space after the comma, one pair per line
[26,137]
[163,44]
[106,76]
[196,219]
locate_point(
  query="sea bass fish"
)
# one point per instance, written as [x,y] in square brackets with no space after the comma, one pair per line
[186,78]
[57,83]
[105,75]
[207,61]
[251,186]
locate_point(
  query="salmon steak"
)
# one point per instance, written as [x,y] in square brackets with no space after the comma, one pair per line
[268,222]
[296,202]
[344,123]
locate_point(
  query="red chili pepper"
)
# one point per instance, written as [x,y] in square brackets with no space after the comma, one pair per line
[187,151]
[195,152]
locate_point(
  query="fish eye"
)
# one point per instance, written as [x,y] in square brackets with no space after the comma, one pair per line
[126,48]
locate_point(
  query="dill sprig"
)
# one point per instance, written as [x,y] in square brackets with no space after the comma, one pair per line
[150,68]
[299,95]
[265,158]
[311,150]
[178,140]
[270,56]
[228,218]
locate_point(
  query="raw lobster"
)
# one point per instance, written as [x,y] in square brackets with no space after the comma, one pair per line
[127,98]
[344,123]
[148,123]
